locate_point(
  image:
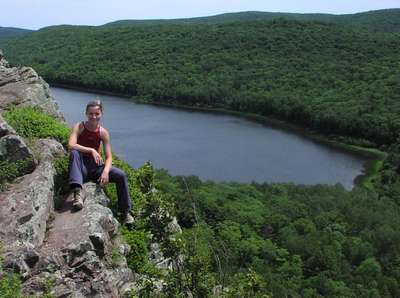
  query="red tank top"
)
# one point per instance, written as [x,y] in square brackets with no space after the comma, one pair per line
[91,139]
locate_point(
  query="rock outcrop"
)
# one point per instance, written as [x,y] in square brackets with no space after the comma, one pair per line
[23,86]
[24,210]
[77,252]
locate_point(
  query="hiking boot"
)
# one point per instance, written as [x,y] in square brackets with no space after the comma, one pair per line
[128,219]
[77,202]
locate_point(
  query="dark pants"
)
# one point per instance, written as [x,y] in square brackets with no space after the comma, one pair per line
[83,168]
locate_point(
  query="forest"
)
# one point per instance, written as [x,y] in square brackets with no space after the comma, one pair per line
[260,240]
[9,32]
[292,240]
[386,20]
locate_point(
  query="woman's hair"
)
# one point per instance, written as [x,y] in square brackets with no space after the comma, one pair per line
[94,103]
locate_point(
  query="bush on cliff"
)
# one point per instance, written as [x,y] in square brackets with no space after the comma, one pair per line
[30,122]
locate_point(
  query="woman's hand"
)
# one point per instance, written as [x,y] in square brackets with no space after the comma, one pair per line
[97,157]
[103,180]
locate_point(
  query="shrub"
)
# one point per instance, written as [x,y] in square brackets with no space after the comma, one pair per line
[10,285]
[138,256]
[30,122]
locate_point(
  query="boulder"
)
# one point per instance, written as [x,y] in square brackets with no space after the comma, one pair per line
[5,129]
[14,149]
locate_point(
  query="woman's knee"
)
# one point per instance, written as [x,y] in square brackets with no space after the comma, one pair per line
[74,153]
[118,175]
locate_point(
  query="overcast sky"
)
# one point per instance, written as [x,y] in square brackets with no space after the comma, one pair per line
[35,14]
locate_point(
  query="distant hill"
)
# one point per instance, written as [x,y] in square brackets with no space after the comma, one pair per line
[7,32]
[380,20]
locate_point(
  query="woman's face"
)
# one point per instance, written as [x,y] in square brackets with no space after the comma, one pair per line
[94,114]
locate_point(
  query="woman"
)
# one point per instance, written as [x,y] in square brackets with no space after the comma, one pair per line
[86,162]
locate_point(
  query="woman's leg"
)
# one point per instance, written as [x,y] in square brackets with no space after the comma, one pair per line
[119,177]
[77,174]
[77,169]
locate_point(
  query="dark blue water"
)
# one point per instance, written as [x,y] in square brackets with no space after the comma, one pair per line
[212,146]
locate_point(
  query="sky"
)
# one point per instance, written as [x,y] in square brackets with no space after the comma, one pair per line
[35,14]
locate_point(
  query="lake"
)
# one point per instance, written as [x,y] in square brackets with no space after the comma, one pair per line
[212,146]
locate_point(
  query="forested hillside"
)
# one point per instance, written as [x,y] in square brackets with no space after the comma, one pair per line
[387,20]
[7,32]
[328,77]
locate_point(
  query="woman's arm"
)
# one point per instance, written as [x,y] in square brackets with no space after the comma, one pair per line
[105,137]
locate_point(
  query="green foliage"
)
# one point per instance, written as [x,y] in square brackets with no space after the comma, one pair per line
[146,177]
[9,32]
[386,20]
[10,286]
[152,214]
[195,275]
[30,122]
[247,285]
[300,241]
[48,284]
[138,256]
[116,257]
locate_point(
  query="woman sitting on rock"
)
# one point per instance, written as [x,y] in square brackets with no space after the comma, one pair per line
[86,162]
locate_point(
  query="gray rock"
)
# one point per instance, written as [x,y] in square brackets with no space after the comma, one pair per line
[174,227]
[52,148]
[124,249]
[25,207]
[14,149]
[85,241]
[31,257]
[17,264]
[22,86]
[5,129]
[3,62]
[157,258]
[99,222]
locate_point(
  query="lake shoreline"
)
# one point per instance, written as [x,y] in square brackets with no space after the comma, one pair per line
[370,168]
